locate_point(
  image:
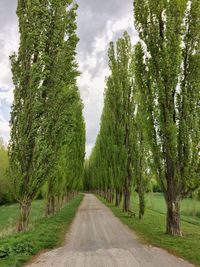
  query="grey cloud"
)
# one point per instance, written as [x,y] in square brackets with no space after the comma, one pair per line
[92,20]
[85,93]
[7,11]
[93,16]
[5,109]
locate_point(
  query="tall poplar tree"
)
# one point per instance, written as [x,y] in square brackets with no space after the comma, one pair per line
[44,26]
[167,75]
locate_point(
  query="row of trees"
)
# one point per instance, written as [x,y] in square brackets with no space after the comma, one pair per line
[47,128]
[151,118]
[120,152]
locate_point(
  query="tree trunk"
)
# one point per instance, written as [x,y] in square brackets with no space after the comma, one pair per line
[108,195]
[127,188]
[128,177]
[112,195]
[117,198]
[126,204]
[141,203]
[173,218]
[120,197]
[50,206]
[59,203]
[25,207]
[64,199]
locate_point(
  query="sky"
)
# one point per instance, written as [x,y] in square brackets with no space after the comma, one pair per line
[99,22]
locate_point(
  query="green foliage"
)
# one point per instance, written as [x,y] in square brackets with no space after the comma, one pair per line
[22,248]
[154,186]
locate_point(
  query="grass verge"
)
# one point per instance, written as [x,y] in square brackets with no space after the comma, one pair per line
[47,234]
[151,230]
[9,216]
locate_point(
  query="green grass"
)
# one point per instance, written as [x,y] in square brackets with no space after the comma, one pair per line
[151,230]
[9,215]
[190,208]
[47,234]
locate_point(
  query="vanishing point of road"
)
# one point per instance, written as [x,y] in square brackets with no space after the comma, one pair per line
[98,239]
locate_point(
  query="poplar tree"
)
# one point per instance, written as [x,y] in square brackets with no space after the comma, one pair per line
[44,26]
[167,75]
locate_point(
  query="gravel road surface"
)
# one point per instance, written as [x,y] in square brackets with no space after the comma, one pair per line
[98,239]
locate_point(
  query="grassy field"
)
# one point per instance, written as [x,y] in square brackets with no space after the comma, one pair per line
[47,233]
[151,229]
[9,216]
[190,208]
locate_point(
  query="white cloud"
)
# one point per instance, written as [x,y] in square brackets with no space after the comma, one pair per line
[93,103]
[9,44]
[6,95]
[4,128]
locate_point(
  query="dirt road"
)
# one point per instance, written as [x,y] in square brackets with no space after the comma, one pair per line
[98,239]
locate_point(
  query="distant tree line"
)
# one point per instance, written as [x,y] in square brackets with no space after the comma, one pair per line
[150,125]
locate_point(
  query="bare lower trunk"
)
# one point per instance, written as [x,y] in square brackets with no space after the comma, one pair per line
[117,198]
[112,195]
[141,204]
[24,216]
[59,203]
[65,199]
[120,197]
[173,218]
[128,177]
[108,195]
[50,206]
[126,204]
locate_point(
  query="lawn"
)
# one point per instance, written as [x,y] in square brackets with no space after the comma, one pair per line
[9,216]
[190,208]
[47,233]
[151,229]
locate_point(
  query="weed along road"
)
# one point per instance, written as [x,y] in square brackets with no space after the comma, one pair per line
[98,239]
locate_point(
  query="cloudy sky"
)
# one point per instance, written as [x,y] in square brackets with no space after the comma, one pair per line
[99,22]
